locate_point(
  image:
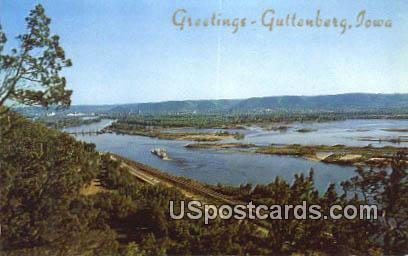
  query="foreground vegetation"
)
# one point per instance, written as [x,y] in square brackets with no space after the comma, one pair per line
[44,212]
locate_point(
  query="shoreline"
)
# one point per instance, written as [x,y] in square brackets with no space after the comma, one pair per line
[336,154]
[160,133]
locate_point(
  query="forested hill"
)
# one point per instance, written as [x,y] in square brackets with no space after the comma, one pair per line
[352,102]
[341,102]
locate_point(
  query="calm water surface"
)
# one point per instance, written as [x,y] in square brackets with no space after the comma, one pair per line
[237,167]
[348,132]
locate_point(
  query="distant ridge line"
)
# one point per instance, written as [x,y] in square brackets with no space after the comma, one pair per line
[347,102]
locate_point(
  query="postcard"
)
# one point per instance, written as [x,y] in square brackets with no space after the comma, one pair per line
[192,127]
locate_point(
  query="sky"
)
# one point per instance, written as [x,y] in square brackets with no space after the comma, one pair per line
[129,51]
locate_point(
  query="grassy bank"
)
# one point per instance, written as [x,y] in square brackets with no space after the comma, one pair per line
[162,133]
[220,146]
[337,154]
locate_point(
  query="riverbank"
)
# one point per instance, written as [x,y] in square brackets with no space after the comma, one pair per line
[336,154]
[189,187]
[219,145]
[162,133]
[68,122]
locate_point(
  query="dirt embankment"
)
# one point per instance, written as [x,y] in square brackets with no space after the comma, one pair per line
[337,154]
[219,145]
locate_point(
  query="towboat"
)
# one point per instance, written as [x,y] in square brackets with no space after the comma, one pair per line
[160,152]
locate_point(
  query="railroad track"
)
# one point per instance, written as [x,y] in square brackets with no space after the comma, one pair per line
[152,175]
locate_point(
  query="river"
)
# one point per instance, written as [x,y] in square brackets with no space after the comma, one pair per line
[235,166]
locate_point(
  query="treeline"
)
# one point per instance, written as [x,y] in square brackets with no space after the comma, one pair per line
[239,120]
[65,122]
[158,132]
[43,212]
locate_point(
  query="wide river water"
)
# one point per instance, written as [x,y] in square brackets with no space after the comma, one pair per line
[235,166]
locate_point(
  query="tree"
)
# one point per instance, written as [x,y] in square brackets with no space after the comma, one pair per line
[388,189]
[132,249]
[30,73]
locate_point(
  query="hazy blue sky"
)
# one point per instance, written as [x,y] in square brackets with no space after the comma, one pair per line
[129,51]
